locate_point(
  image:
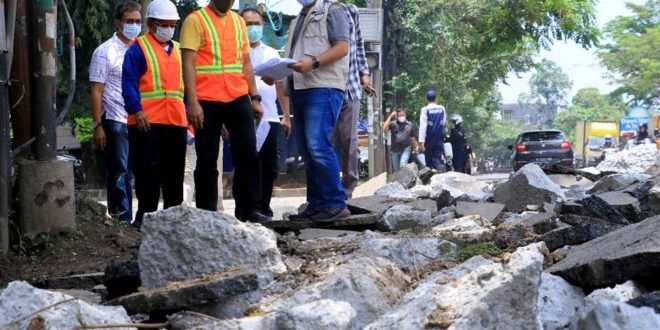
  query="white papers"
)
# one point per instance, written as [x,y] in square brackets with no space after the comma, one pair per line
[275,68]
[263,127]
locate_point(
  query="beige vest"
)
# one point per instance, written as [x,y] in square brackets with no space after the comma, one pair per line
[313,40]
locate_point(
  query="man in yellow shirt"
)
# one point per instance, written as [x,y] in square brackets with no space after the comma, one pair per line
[221,90]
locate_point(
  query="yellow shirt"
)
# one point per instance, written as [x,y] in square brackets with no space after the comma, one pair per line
[192,33]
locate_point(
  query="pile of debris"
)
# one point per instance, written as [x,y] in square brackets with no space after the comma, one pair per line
[441,251]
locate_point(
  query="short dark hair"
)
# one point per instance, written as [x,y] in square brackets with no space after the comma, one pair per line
[251,9]
[401,110]
[431,96]
[125,7]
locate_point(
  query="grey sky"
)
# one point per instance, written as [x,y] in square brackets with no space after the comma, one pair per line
[582,66]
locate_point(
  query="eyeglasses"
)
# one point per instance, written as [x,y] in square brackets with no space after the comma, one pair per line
[132,21]
[165,24]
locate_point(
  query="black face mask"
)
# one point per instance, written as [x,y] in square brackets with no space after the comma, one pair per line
[223,5]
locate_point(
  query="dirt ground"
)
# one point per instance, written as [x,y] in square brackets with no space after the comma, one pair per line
[98,242]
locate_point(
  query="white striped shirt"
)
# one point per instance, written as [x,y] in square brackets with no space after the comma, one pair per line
[106,68]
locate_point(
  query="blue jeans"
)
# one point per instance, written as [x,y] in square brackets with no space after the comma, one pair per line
[315,114]
[400,159]
[119,176]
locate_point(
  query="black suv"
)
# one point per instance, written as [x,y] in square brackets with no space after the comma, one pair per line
[541,147]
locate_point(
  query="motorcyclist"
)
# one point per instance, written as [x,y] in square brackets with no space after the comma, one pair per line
[609,142]
[459,144]
[642,134]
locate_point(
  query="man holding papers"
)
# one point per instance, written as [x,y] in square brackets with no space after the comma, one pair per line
[260,53]
[319,42]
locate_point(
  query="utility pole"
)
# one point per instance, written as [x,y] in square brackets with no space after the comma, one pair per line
[21,92]
[44,23]
[377,164]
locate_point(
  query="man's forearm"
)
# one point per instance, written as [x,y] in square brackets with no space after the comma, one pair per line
[189,58]
[248,72]
[283,99]
[338,50]
[97,97]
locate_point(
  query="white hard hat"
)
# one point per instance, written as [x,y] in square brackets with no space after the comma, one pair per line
[456,118]
[163,9]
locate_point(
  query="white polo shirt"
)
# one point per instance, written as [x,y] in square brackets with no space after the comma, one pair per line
[259,55]
[106,68]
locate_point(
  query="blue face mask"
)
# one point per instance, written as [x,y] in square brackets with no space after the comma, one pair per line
[131,31]
[306,3]
[255,32]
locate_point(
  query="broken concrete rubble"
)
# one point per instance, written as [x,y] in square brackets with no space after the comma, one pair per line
[617,181]
[622,292]
[408,252]
[222,242]
[557,302]
[322,314]
[489,211]
[640,159]
[394,190]
[470,227]
[19,300]
[407,176]
[479,294]
[425,174]
[575,229]
[370,284]
[401,217]
[421,191]
[649,300]
[177,296]
[528,186]
[607,207]
[606,315]
[78,281]
[456,184]
[624,204]
[654,200]
[629,253]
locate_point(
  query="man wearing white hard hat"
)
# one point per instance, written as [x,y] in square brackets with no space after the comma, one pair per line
[152,87]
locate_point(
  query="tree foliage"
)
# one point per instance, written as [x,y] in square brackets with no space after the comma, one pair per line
[496,139]
[549,88]
[633,52]
[462,48]
[589,104]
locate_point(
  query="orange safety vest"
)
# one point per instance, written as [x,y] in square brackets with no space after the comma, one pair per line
[161,87]
[219,64]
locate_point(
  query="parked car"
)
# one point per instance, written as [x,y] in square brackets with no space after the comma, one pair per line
[541,147]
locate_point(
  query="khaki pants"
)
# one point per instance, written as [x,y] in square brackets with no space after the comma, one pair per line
[189,178]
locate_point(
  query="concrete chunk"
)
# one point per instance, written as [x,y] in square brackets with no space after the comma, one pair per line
[407,175]
[528,186]
[489,211]
[184,295]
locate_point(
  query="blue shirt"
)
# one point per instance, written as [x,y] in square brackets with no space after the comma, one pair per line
[134,67]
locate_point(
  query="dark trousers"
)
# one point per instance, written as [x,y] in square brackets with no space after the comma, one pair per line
[159,160]
[238,117]
[118,176]
[435,148]
[349,152]
[269,157]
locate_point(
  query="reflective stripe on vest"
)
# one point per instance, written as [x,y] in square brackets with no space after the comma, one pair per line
[161,87]
[219,64]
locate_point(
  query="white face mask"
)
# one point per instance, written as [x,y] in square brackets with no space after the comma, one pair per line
[164,34]
[131,31]
[401,119]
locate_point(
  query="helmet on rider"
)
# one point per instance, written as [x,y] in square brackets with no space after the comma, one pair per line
[456,119]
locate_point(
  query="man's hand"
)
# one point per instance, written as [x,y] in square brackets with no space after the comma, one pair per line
[365,80]
[142,121]
[303,66]
[393,115]
[99,138]
[268,80]
[423,147]
[286,126]
[224,133]
[258,110]
[196,115]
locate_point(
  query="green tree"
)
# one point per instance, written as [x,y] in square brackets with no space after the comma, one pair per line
[633,53]
[549,87]
[589,104]
[497,139]
[462,48]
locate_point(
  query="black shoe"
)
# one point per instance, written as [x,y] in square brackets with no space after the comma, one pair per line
[305,215]
[330,214]
[258,217]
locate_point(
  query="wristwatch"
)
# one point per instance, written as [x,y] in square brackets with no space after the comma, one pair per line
[315,63]
[96,124]
[256,97]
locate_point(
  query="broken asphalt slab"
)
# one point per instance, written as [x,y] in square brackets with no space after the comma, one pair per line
[489,211]
[357,220]
[186,294]
[631,252]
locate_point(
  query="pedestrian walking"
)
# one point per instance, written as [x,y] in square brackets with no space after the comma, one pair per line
[153,95]
[268,155]
[109,117]
[432,121]
[403,142]
[221,90]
